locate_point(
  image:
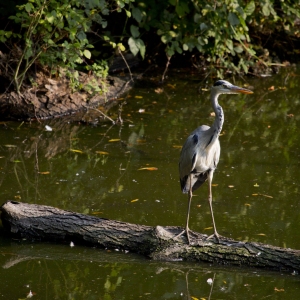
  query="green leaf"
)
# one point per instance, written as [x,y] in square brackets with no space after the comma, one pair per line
[266,10]
[137,14]
[136,46]
[233,19]
[203,26]
[229,44]
[50,18]
[238,49]
[28,7]
[128,13]
[87,53]
[249,9]
[182,8]
[134,31]
[133,46]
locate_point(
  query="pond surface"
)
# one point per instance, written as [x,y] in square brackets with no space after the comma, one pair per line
[130,173]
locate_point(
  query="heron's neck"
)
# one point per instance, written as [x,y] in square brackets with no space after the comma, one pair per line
[219,119]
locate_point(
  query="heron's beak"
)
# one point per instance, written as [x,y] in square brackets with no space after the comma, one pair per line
[240,90]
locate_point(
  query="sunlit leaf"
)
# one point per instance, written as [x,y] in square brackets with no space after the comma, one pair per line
[16,161]
[247,204]
[135,200]
[149,169]
[10,146]
[102,152]
[194,298]
[261,234]
[271,88]
[44,173]
[87,53]
[231,186]
[278,290]
[114,140]
[76,151]
[138,97]
[97,212]
[177,146]
[256,185]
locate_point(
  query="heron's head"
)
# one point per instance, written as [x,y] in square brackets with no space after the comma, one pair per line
[225,87]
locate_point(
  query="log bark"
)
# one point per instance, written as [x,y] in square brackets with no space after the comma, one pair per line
[46,223]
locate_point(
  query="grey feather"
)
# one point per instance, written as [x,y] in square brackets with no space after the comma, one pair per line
[198,159]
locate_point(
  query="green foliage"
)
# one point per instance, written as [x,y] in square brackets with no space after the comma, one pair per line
[228,35]
[54,33]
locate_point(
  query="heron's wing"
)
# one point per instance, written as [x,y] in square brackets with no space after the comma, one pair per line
[198,157]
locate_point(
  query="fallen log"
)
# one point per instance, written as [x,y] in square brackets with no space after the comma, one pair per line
[46,223]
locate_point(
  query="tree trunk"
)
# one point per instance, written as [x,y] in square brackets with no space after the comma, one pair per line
[46,223]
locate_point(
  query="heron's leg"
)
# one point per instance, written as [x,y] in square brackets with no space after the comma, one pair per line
[188,215]
[209,178]
[190,196]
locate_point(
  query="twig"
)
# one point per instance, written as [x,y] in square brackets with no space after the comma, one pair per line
[165,71]
[120,52]
[104,115]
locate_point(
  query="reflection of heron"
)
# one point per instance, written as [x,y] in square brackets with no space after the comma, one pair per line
[201,151]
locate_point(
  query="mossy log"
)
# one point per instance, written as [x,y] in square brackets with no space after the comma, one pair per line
[46,223]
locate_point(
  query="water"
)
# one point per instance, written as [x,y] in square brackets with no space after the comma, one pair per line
[130,173]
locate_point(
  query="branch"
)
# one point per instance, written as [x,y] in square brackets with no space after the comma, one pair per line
[48,223]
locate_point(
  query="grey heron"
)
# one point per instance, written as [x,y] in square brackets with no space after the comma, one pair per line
[200,153]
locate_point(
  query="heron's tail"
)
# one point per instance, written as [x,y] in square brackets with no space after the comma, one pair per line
[194,180]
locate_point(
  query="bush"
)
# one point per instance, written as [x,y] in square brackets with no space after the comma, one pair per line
[229,35]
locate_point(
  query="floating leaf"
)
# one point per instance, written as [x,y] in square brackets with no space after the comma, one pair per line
[97,212]
[171,86]
[10,146]
[76,151]
[114,140]
[102,152]
[247,204]
[135,200]
[44,173]
[177,146]
[278,290]
[266,195]
[208,228]
[149,169]
[261,234]
[231,186]
[256,185]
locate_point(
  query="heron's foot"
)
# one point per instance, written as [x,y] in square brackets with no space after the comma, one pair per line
[185,231]
[216,236]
